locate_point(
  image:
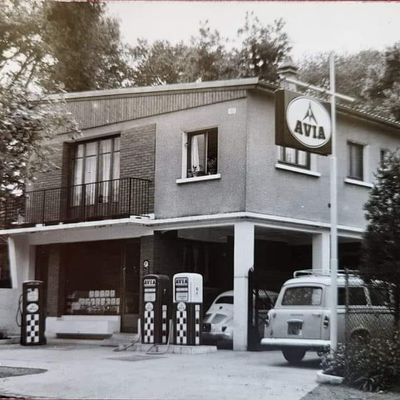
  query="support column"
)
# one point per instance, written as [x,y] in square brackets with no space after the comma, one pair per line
[243,261]
[321,252]
[22,260]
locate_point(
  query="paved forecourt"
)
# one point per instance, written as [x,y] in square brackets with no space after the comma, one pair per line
[91,371]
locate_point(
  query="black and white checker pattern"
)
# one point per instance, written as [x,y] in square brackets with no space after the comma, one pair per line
[197,323]
[181,327]
[164,322]
[32,328]
[148,327]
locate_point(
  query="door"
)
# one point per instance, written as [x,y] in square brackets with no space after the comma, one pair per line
[130,279]
[299,315]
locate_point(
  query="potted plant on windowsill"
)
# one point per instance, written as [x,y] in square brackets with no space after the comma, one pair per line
[212,166]
[196,171]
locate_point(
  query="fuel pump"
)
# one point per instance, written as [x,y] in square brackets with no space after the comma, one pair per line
[33,313]
[154,321]
[187,308]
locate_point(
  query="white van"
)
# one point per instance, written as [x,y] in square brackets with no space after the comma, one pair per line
[299,322]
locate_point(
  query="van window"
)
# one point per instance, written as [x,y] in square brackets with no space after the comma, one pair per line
[302,296]
[225,300]
[380,296]
[356,296]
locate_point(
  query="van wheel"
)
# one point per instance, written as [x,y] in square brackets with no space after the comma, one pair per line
[293,356]
[360,336]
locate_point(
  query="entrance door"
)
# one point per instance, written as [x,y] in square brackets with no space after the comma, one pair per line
[130,274]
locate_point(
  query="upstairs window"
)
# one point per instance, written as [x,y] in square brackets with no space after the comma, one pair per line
[202,153]
[355,161]
[294,157]
[384,154]
[96,169]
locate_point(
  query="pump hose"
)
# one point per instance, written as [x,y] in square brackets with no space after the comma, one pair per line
[19,312]
[167,344]
[124,347]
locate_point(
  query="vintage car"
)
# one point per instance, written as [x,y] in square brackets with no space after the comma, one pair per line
[218,320]
[299,321]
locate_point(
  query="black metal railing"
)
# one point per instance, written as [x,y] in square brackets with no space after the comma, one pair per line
[115,198]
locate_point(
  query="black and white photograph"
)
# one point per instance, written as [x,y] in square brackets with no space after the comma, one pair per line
[199,200]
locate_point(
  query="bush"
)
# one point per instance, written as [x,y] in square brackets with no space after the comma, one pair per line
[370,365]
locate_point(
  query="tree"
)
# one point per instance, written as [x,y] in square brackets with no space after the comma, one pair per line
[26,125]
[352,71]
[48,45]
[85,47]
[383,87]
[22,50]
[159,63]
[209,57]
[263,47]
[381,242]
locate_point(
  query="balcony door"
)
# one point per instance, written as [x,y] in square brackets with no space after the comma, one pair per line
[95,180]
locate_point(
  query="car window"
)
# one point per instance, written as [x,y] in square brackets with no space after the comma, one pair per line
[225,300]
[380,296]
[302,296]
[356,296]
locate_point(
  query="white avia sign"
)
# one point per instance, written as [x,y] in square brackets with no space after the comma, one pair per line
[309,122]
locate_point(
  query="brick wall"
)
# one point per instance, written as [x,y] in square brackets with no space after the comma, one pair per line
[138,147]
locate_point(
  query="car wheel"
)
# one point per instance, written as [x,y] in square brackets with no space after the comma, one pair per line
[293,356]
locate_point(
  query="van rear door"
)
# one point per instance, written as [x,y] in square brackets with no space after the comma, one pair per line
[300,313]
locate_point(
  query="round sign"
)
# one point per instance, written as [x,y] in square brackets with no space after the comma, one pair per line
[32,307]
[149,306]
[181,306]
[309,122]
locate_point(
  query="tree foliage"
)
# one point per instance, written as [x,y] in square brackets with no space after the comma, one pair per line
[381,242]
[383,87]
[26,126]
[352,71]
[85,46]
[22,50]
[72,45]
[263,48]
[209,56]
[370,76]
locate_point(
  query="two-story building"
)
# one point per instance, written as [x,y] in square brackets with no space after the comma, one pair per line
[177,178]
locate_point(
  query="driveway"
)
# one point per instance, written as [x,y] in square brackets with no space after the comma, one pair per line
[90,371]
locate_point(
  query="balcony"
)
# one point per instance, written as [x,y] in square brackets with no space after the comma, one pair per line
[118,198]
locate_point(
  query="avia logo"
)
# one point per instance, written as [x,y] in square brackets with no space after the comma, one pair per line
[309,122]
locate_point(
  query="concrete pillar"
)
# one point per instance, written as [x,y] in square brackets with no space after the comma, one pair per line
[54,281]
[22,260]
[321,251]
[242,262]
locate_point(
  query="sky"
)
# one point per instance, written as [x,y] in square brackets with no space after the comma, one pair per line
[312,26]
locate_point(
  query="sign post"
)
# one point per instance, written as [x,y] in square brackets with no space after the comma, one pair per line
[305,124]
[333,204]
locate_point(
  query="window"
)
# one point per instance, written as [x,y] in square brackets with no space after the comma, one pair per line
[294,157]
[96,168]
[384,154]
[302,296]
[202,153]
[356,161]
[356,296]
[225,300]
[5,277]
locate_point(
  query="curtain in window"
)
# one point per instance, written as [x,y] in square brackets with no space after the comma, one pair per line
[195,157]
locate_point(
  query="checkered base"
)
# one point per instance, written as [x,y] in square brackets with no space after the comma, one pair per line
[197,324]
[164,324]
[188,324]
[148,327]
[32,328]
[181,327]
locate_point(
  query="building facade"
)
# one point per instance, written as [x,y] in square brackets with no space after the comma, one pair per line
[182,178]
